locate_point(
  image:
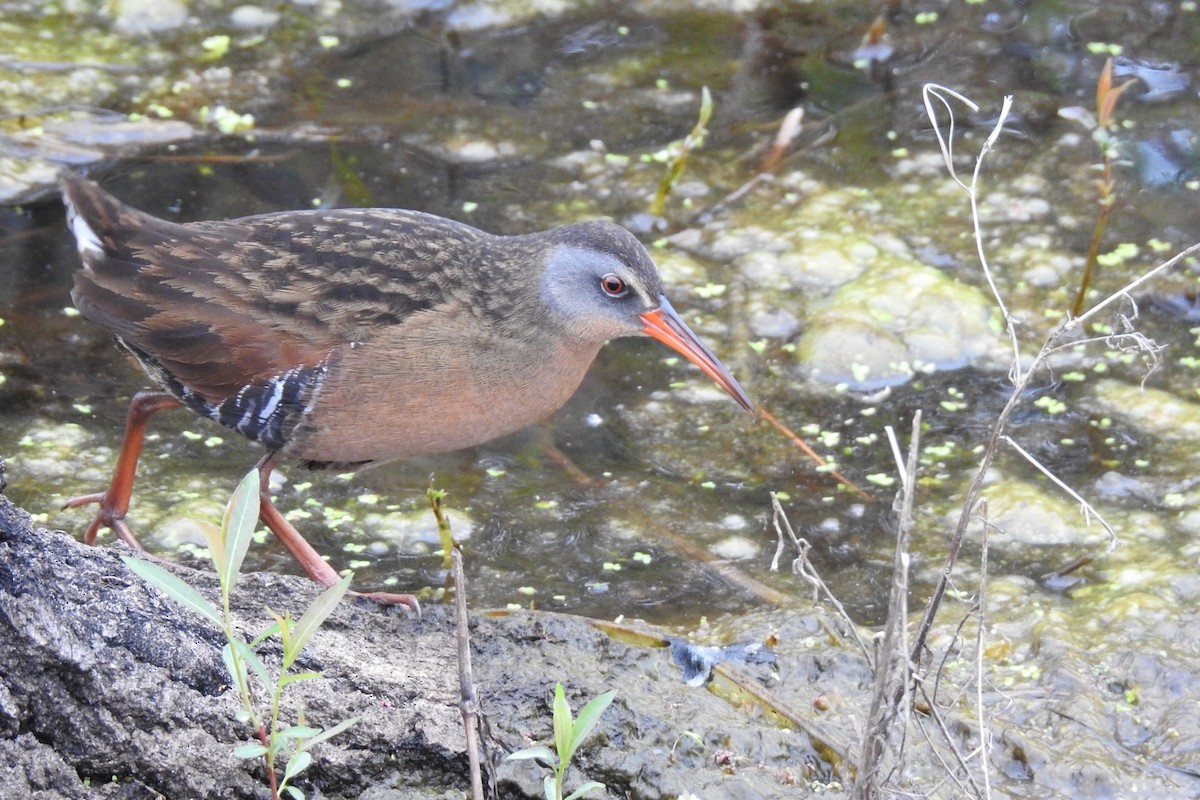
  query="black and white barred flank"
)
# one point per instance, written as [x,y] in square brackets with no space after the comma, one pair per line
[265,411]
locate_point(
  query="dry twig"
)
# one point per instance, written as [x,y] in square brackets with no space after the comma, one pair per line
[890,699]
[468,701]
[804,568]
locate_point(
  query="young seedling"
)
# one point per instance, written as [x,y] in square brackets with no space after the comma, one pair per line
[568,734]
[437,500]
[675,155]
[1103,126]
[289,745]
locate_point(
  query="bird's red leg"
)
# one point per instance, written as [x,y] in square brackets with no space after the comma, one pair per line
[114,502]
[314,565]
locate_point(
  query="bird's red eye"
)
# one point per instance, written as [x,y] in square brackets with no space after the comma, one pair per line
[613,286]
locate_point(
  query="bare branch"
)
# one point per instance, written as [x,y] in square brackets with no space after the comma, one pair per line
[1089,511]
[804,568]
[1124,291]
[933,91]
[890,698]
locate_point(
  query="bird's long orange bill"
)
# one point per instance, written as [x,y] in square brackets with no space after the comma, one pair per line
[666,326]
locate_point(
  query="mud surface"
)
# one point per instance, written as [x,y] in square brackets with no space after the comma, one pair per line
[108,689]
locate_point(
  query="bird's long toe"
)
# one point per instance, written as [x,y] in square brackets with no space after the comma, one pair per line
[393,599]
[84,500]
[107,516]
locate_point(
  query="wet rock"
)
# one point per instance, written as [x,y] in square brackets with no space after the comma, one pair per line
[410,530]
[31,160]
[1023,514]
[900,318]
[252,17]
[858,354]
[113,132]
[183,527]
[736,548]
[873,313]
[815,265]
[45,448]
[1113,485]
[775,323]
[137,17]
[1001,207]
[19,176]
[1153,411]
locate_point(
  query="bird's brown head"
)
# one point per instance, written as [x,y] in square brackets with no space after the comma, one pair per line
[600,283]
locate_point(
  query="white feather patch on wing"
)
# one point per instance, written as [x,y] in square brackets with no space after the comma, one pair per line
[85,238]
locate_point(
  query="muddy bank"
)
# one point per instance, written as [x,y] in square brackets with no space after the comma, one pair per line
[107,689]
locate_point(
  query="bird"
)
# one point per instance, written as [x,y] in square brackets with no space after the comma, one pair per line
[346,338]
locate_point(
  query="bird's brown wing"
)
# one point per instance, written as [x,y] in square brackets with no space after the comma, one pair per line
[219,306]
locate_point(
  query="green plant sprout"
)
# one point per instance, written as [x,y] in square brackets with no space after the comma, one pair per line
[290,745]
[568,734]
[1104,134]
[675,155]
[437,498]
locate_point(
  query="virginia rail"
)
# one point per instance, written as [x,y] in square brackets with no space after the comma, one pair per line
[353,337]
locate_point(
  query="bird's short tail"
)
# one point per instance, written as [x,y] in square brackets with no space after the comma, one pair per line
[97,219]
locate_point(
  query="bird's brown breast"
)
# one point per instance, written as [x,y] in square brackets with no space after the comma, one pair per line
[435,384]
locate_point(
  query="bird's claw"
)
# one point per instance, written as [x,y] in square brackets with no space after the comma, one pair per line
[106,517]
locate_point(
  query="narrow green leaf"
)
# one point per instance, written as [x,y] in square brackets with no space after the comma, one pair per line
[265,634]
[173,587]
[325,735]
[251,659]
[215,538]
[292,677]
[317,613]
[241,517]
[294,793]
[590,786]
[286,626]
[549,788]
[706,107]
[252,750]
[589,715]
[562,725]
[297,764]
[298,732]
[237,669]
[541,753]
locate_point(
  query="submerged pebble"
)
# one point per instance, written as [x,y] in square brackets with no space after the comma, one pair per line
[900,318]
[138,17]
[252,17]
[404,529]
[735,548]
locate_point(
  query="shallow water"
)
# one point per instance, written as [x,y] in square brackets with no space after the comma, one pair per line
[487,128]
